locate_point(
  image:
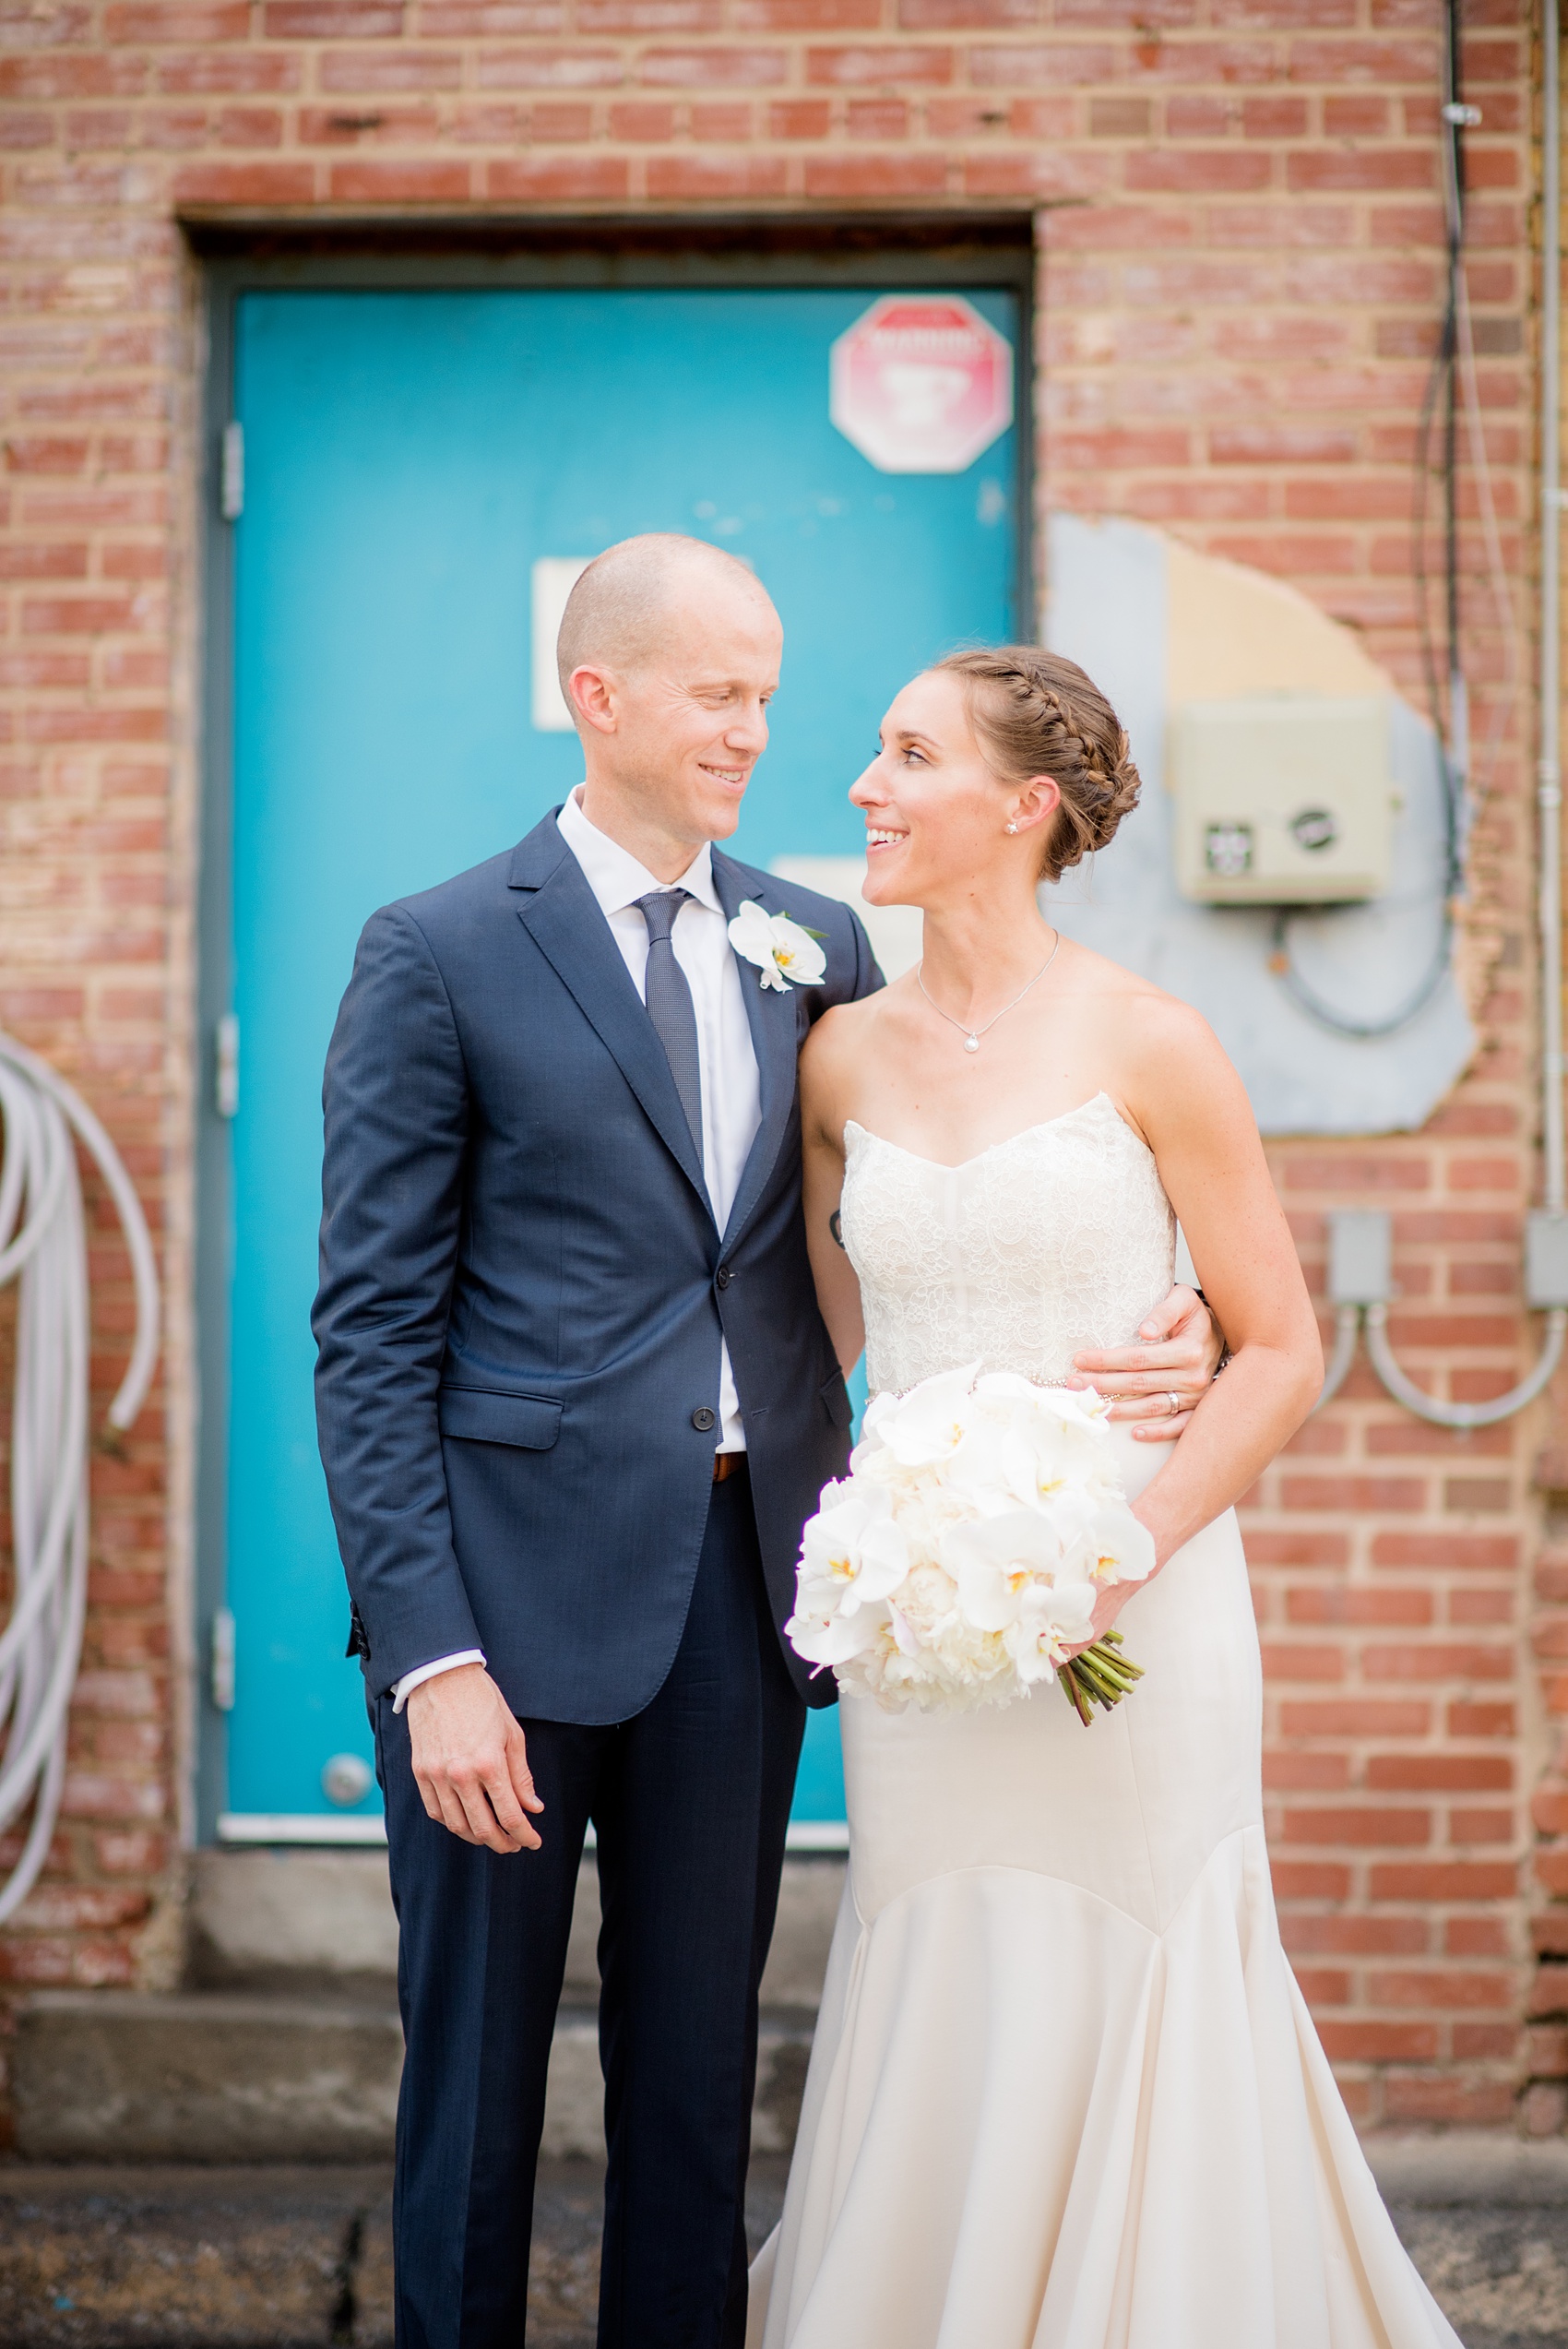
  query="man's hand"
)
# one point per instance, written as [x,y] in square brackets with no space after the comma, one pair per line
[1176,1362]
[471,1764]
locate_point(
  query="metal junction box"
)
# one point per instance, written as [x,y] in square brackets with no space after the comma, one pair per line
[1283,799]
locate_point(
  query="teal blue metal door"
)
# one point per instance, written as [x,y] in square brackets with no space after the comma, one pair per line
[421,470]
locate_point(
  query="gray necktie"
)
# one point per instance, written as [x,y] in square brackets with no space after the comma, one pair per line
[669,1000]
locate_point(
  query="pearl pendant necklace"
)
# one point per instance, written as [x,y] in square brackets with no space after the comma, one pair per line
[972,1036]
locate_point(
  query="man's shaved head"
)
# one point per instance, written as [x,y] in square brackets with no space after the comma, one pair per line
[625,603]
[668,656]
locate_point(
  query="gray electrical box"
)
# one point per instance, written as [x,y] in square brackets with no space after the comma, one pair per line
[1283,799]
[1546,1257]
[1361,1256]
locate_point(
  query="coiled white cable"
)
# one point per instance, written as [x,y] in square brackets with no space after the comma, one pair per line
[43,1247]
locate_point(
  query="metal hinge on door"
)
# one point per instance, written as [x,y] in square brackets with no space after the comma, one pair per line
[222,1674]
[232,473]
[226,1066]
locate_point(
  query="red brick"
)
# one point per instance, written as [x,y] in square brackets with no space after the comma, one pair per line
[332,20]
[1300,1660]
[378,183]
[1354,1717]
[1474,1824]
[372,70]
[244,183]
[1336,1604]
[1365,1494]
[1304,1547]
[1477,2041]
[700,177]
[648,15]
[1189,171]
[1469,1771]
[541,69]
[1357,1826]
[1364,1172]
[639,122]
[34,559]
[861,176]
[1033,63]
[1436,1550]
[35,453]
[1378,2043]
[140,23]
[1311,1880]
[895,68]
[806,16]
[1425,2102]
[709,68]
[1314,1932]
[941,16]
[243,73]
[799,118]
[730,124]
[1444,1881]
[589,179]
[876,118]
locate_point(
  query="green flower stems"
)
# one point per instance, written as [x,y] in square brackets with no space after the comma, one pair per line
[1100,1675]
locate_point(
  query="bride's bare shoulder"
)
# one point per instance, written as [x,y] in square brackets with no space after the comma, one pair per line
[1150,1030]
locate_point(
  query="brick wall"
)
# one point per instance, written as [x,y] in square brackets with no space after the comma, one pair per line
[1238,219]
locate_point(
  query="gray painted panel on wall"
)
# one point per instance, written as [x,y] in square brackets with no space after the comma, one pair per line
[1107,610]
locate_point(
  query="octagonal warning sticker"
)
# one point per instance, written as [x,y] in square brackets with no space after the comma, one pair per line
[922,384]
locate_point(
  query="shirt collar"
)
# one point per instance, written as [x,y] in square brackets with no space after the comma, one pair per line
[614,873]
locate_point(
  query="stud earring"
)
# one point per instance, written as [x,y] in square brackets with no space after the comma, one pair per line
[1011,827]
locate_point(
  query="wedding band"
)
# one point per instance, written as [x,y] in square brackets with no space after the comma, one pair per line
[1175,1401]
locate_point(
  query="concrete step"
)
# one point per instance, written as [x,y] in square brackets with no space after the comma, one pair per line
[286,2047]
[301,2258]
[223,2075]
[287,1920]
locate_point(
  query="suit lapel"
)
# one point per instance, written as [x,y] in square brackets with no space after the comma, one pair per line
[776,1039]
[562,916]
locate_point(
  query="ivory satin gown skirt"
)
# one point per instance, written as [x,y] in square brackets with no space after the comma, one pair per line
[1065,2093]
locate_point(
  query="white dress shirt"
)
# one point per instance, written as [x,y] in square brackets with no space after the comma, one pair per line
[731,1089]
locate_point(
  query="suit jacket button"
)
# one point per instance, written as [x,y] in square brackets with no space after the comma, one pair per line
[721,1278]
[703,1419]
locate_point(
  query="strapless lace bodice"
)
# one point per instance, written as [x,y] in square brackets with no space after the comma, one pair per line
[1057,1239]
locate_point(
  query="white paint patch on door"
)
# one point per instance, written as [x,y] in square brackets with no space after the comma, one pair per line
[551,581]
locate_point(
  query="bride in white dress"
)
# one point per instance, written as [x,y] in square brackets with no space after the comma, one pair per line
[1065,2093]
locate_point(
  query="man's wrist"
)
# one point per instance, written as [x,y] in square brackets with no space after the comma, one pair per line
[403,1689]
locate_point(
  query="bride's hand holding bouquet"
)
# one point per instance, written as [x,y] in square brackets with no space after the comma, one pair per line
[980,1545]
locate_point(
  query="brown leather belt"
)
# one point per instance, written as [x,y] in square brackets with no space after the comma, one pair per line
[727,1464]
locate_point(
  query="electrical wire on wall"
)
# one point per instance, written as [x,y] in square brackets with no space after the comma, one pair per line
[1450,387]
[44,1249]
[1361,1283]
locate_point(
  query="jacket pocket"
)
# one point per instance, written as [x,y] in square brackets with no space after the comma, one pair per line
[835,1400]
[487,1416]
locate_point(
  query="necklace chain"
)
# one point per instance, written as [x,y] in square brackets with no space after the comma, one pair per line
[972,1036]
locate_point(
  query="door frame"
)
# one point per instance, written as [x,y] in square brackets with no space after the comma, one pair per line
[962,250]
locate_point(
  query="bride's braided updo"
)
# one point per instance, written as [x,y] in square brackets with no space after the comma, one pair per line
[1036,714]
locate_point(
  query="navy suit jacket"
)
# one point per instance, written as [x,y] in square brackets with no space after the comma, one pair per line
[523,1289]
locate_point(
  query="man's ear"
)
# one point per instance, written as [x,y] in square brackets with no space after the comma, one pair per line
[591,692]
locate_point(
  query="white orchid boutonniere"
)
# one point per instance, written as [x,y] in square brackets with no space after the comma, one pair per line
[779,948]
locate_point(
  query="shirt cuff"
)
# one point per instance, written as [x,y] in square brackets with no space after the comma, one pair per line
[405,1687]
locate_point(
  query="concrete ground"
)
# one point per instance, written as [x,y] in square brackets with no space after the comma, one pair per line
[300,2258]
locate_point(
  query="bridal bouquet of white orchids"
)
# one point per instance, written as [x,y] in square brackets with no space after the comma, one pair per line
[961,1557]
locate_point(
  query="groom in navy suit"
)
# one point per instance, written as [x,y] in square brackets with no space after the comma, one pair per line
[575,1401]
